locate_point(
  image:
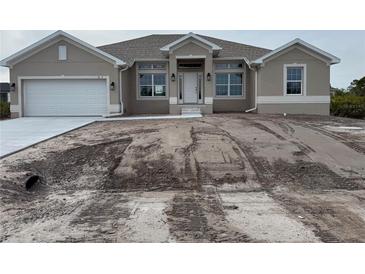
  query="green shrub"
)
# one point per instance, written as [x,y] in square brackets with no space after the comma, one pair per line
[348,106]
[4,110]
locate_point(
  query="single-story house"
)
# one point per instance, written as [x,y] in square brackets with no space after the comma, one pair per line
[4,92]
[62,75]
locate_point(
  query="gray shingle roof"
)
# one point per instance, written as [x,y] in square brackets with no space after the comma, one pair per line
[148,47]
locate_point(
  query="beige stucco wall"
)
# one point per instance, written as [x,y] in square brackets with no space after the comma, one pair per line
[317,82]
[307,108]
[132,105]
[251,88]
[271,78]
[79,63]
[190,47]
[230,105]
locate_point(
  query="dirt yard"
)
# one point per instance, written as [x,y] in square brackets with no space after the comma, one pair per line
[220,178]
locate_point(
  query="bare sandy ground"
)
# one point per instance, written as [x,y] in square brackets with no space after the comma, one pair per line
[220,178]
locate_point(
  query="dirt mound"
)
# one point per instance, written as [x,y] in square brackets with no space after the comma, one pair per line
[150,175]
[76,168]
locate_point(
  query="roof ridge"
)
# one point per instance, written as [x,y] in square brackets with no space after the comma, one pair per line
[111,44]
[214,38]
[133,39]
[181,34]
[149,46]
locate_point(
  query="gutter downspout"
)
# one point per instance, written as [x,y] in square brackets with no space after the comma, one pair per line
[253,109]
[121,90]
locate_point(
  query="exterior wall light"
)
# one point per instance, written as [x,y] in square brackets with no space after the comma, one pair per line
[173,77]
[208,76]
[12,87]
[112,85]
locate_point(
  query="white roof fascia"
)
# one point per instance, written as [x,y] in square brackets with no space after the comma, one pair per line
[238,58]
[187,36]
[334,59]
[5,62]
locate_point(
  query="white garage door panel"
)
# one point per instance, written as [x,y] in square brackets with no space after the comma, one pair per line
[65,97]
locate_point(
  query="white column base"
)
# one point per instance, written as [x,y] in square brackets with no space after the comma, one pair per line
[14,108]
[208,100]
[173,100]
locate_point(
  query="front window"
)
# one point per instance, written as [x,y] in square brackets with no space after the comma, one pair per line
[294,80]
[152,84]
[151,66]
[220,66]
[228,84]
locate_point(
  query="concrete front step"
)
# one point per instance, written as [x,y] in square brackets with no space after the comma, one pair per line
[190,110]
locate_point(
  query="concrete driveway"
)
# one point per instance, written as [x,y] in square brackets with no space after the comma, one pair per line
[17,134]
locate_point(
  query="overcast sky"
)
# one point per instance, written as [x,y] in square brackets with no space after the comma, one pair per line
[349,46]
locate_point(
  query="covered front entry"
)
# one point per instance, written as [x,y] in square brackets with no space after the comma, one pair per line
[190,81]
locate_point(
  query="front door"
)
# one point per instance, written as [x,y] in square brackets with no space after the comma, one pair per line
[190,87]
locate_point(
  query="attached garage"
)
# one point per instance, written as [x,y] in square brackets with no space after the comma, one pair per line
[61,75]
[65,97]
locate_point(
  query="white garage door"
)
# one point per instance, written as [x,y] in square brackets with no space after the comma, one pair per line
[74,97]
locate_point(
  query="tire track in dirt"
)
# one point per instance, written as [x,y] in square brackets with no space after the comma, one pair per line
[306,150]
[198,216]
[287,129]
[258,164]
[210,172]
[271,176]
[331,222]
[351,144]
[100,221]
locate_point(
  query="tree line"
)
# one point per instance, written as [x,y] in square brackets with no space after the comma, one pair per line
[357,88]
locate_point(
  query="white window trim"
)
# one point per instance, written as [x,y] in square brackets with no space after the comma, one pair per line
[230,97]
[230,70]
[152,68]
[152,71]
[62,53]
[304,80]
[153,97]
